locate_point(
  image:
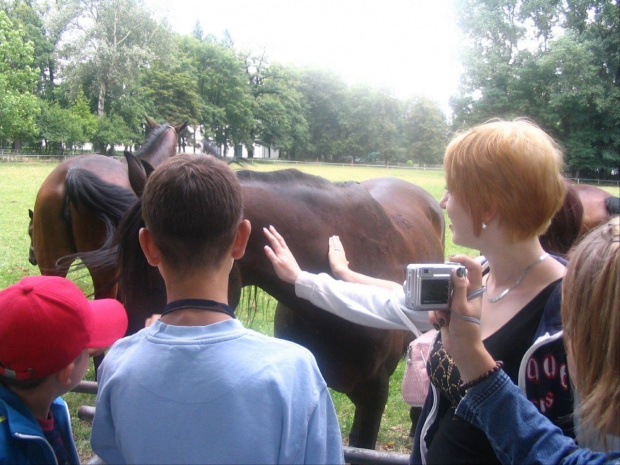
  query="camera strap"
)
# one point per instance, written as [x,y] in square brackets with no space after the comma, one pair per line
[395,303]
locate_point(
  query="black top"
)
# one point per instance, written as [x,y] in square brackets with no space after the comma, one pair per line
[454,440]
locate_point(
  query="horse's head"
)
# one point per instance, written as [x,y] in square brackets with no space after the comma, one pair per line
[566,224]
[32,258]
[161,143]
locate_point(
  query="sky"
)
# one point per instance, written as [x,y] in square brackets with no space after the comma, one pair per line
[407,46]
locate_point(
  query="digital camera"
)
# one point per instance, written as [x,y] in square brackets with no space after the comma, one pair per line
[429,286]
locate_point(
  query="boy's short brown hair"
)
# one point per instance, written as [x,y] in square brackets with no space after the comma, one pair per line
[192,205]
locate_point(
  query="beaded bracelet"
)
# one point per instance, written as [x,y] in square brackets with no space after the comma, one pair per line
[481,378]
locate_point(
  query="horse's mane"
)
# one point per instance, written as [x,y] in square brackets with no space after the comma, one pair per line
[152,139]
[287,177]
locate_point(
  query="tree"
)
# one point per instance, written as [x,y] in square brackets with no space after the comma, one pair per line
[555,62]
[425,130]
[227,105]
[60,128]
[19,106]
[171,94]
[108,44]
[279,107]
[111,130]
[326,97]
[372,125]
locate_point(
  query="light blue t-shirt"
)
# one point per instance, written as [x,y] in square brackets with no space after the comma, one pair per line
[213,394]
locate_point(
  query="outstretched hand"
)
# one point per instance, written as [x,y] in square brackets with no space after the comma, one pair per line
[281,257]
[337,258]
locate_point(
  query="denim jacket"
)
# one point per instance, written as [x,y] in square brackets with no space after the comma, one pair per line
[21,439]
[528,437]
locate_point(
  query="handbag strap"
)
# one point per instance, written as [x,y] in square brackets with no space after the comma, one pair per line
[394,302]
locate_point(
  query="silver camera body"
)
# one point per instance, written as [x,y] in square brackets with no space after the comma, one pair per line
[429,286]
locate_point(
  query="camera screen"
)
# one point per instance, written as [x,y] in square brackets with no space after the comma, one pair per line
[434,291]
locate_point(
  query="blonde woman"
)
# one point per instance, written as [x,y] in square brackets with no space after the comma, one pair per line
[591,320]
[504,186]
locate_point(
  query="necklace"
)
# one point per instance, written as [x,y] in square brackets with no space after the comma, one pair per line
[519,281]
[198,304]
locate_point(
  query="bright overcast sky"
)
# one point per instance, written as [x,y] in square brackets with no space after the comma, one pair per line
[408,46]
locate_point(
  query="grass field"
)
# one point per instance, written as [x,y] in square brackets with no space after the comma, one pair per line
[19,183]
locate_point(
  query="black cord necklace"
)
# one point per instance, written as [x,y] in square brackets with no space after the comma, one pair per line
[198,304]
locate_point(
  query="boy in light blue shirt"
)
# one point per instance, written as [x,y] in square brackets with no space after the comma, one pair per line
[197,386]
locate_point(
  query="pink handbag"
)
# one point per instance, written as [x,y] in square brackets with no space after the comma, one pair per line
[416,382]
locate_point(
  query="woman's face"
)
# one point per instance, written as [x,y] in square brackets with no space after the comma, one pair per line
[461,223]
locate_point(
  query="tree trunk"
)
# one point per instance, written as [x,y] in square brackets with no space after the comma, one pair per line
[101,102]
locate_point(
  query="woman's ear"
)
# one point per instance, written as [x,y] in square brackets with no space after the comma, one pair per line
[151,252]
[241,239]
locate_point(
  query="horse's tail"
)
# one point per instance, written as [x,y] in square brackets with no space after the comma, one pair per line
[85,191]
[108,202]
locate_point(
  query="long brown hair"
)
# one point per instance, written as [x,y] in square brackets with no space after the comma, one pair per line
[591,320]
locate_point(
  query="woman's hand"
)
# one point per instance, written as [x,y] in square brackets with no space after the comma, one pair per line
[337,258]
[281,258]
[460,327]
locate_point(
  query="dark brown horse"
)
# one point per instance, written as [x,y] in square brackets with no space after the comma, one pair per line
[565,227]
[386,223]
[598,206]
[80,203]
[584,208]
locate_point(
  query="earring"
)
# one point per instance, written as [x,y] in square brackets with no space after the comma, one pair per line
[484,226]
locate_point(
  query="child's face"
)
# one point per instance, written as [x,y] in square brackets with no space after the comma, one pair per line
[80,368]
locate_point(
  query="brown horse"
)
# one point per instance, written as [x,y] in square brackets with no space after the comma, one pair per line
[598,206]
[386,223]
[584,208]
[80,203]
[565,227]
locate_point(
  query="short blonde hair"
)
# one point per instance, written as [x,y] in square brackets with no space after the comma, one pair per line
[513,167]
[591,321]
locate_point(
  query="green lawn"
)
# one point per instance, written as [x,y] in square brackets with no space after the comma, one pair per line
[19,183]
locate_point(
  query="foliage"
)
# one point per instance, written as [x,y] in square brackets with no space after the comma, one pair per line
[555,62]
[109,63]
[19,105]
[426,130]
[111,130]
[107,43]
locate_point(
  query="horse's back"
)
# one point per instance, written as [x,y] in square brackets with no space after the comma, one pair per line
[413,211]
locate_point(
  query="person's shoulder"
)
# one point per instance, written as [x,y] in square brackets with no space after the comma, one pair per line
[283,353]
[281,345]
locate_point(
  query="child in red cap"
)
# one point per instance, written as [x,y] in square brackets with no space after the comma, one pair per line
[47,327]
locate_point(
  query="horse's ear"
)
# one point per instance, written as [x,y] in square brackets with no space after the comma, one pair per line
[136,172]
[152,124]
[148,168]
[181,127]
[30,213]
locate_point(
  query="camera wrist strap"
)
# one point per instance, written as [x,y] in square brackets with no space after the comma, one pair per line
[394,302]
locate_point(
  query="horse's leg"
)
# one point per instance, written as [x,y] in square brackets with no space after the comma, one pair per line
[369,400]
[341,372]
[51,234]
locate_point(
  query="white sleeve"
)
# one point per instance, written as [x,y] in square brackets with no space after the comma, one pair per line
[359,303]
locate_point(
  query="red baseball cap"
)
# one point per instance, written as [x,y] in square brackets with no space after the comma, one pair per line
[46,321]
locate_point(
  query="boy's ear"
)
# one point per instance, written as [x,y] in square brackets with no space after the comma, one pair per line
[64,375]
[241,239]
[151,252]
